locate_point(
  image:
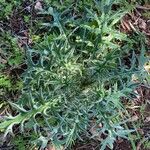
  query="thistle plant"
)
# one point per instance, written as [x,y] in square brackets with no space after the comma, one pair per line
[76,76]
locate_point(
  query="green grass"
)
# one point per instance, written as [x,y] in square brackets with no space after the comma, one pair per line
[77,74]
[6,8]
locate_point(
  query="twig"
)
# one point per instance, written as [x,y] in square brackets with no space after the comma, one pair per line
[142,7]
[148,87]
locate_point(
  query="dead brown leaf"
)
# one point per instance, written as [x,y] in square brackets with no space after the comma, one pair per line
[142,24]
[52,147]
[127,26]
[38,6]
[2,61]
